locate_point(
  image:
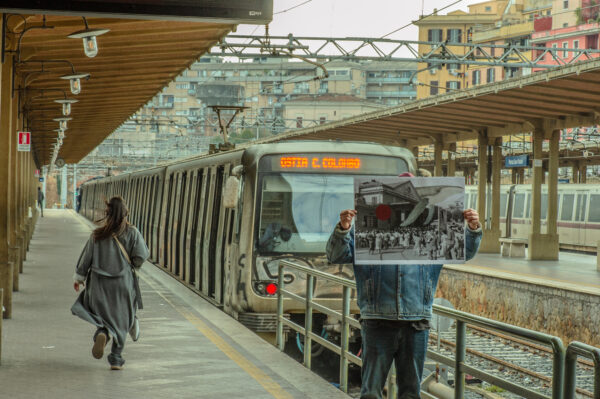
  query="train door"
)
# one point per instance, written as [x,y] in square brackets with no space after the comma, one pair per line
[183,222]
[221,238]
[207,262]
[156,216]
[581,217]
[175,222]
[199,264]
[187,232]
[569,234]
[213,221]
[164,223]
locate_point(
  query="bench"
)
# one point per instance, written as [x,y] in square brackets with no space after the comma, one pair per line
[513,247]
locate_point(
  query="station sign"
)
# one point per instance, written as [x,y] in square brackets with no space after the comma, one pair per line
[36,173]
[516,161]
[23,141]
[41,179]
[224,11]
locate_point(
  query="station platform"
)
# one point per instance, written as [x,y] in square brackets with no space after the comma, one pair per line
[187,348]
[573,271]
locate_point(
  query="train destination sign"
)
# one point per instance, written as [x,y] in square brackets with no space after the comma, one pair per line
[225,11]
[333,163]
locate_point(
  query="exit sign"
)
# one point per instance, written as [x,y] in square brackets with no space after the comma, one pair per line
[23,141]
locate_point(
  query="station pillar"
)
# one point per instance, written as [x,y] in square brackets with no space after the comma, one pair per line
[451,160]
[582,172]
[437,152]
[544,246]
[482,161]
[6,142]
[490,242]
[15,241]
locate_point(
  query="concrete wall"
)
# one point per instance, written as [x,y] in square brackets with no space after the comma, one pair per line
[568,314]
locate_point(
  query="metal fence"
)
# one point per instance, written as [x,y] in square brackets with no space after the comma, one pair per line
[458,363]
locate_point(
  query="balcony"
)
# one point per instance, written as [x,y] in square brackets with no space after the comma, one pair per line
[392,94]
[505,31]
[164,105]
[388,80]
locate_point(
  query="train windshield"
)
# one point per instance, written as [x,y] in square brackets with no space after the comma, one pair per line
[298,211]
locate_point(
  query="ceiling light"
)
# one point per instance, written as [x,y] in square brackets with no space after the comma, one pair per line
[90,44]
[75,81]
[62,123]
[66,105]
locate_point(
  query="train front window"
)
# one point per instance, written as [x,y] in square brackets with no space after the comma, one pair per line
[299,211]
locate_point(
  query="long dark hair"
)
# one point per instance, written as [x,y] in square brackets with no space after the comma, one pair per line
[115,219]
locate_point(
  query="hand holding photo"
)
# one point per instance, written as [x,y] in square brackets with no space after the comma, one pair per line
[409,220]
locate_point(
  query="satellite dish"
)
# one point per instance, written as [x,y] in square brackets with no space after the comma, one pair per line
[442,323]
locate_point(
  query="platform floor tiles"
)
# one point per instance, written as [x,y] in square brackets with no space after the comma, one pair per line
[187,349]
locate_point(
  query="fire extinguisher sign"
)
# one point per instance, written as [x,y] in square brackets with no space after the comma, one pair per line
[24,141]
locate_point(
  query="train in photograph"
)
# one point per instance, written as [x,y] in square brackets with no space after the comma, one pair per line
[221,222]
[578,213]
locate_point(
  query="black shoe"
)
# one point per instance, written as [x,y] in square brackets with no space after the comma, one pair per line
[116,361]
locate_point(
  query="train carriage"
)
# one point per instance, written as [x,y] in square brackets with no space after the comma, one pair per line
[282,202]
[578,217]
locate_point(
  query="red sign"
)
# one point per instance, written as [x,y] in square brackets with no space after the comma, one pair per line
[24,141]
[318,163]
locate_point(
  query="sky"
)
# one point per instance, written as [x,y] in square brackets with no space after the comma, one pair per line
[351,18]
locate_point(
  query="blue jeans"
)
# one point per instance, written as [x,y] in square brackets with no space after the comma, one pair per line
[384,341]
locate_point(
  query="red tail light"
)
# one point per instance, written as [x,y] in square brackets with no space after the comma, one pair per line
[271,288]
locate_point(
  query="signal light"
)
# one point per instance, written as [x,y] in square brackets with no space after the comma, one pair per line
[271,288]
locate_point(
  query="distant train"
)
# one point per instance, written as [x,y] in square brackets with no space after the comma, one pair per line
[578,213]
[220,223]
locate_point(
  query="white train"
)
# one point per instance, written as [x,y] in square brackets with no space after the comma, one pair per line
[578,213]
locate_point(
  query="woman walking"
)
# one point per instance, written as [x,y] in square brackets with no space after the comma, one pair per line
[111,295]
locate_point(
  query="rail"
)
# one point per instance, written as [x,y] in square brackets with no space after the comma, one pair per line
[458,363]
[580,349]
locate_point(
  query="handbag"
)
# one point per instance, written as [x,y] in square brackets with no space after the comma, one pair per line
[136,283]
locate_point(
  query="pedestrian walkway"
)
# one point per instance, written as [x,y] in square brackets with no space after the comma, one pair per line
[187,349]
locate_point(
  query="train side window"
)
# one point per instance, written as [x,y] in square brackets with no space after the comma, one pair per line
[519,205]
[566,213]
[581,207]
[503,198]
[594,208]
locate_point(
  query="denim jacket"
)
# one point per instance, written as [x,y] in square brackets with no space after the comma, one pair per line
[393,292]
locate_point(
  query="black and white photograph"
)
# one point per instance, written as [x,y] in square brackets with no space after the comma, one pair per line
[409,220]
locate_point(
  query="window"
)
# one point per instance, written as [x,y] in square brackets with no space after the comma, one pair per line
[298,121]
[592,42]
[519,205]
[566,212]
[565,4]
[565,53]
[575,44]
[488,9]
[491,75]
[453,67]
[528,212]
[322,120]
[452,85]
[544,206]
[434,35]
[580,210]
[594,208]
[503,198]
[476,77]
[323,87]
[433,87]
[454,35]
[565,25]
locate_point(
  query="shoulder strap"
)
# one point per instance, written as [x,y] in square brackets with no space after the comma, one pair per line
[122,249]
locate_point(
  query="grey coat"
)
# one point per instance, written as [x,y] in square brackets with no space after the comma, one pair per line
[108,299]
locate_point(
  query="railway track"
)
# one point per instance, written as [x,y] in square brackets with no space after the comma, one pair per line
[519,361]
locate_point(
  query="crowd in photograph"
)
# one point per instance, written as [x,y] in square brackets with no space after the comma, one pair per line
[426,242]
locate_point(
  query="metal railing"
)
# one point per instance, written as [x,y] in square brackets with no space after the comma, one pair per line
[580,349]
[459,361]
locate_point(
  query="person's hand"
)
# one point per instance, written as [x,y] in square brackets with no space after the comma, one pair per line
[472,218]
[346,218]
[76,285]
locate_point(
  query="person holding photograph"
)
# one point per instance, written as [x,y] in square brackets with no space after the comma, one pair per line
[395,304]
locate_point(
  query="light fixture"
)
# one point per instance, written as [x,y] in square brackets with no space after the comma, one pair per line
[90,44]
[75,81]
[66,105]
[62,123]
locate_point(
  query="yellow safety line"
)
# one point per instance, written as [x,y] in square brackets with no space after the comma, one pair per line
[263,379]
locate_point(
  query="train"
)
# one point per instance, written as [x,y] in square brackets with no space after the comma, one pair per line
[221,222]
[578,217]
